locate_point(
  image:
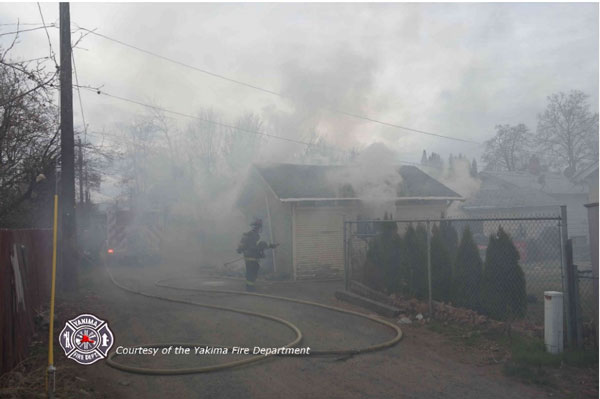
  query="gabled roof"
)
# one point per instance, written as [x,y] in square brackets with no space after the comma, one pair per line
[586,171]
[549,183]
[291,182]
[496,192]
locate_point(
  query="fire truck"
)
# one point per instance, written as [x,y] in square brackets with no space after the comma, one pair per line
[134,237]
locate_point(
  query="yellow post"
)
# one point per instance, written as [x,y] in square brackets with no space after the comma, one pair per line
[51,368]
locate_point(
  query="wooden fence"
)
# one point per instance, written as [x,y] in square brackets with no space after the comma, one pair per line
[25,271]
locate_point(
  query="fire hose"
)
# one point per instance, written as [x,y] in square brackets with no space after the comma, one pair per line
[233,261]
[206,369]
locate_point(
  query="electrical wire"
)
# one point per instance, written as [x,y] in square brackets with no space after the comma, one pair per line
[26,30]
[227,79]
[52,55]
[155,107]
[259,133]
[22,24]
[239,82]
[268,91]
[79,96]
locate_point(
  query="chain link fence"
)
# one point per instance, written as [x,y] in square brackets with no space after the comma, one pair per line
[587,301]
[498,267]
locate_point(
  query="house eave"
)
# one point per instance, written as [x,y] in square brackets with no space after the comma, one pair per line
[488,207]
[383,199]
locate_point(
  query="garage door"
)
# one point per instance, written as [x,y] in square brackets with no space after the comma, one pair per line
[319,239]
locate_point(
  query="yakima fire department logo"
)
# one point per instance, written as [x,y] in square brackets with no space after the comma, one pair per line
[86,339]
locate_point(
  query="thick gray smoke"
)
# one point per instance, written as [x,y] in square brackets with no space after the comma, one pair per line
[314,89]
[206,208]
[373,176]
[458,178]
[197,170]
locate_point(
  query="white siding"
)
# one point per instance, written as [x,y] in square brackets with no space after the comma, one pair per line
[319,241]
[318,233]
[429,210]
[281,222]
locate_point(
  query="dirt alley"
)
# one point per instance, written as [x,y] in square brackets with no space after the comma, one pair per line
[422,365]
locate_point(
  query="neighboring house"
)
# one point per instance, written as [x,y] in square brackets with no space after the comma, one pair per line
[522,194]
[497,198]
[588,176]
[304,208]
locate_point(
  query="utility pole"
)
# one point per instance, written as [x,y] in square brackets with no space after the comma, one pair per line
[80,167]
[67,154]
[87,186]
[429,294]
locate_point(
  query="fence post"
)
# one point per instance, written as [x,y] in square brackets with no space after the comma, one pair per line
[567,283]
[345,258]
[429,266]
[578,319]
[573,274]
[592,217]
[349,250]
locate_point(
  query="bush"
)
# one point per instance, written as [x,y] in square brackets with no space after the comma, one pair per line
[450,238]
[441,267]
[467,273]
[415,249]
[503,289]
[384,265]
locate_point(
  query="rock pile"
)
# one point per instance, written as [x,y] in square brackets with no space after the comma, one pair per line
[415,309]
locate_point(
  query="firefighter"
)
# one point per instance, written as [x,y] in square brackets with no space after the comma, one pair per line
[253,250]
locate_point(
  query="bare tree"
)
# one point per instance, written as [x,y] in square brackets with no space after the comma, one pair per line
[507,150]
[321,152]
[94,164]
[142,154]
[206,142]
[162,125]
[567,131]
[28,133]
[244,141]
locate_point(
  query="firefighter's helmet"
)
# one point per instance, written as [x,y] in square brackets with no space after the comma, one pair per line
[256,223]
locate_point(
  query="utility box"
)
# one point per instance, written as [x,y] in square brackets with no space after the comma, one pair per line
[553,321]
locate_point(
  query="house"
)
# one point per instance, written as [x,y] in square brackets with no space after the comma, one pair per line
[523,194]
[304,208]
[588,176]
[497,197]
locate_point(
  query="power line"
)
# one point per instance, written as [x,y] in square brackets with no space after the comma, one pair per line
[47,34]
[353,115]
[22,24]
[216,75]
[342,112]
[82,150]
[79,96]
[197,117]
[405,128]
[27,30]
[255,132]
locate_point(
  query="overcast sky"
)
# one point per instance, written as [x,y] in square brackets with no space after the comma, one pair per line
[452,69]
